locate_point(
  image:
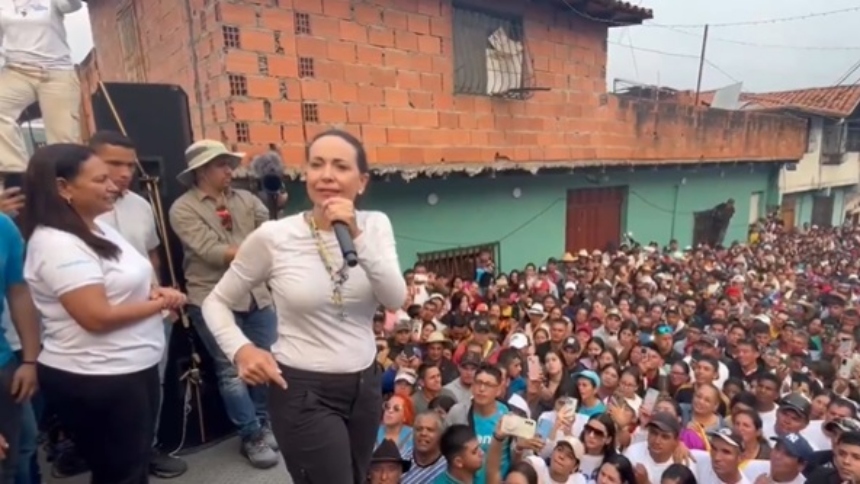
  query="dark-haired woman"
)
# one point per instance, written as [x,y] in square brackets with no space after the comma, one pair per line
[616,469]
[598,439]
[678,474]
[103,330]
[327,405]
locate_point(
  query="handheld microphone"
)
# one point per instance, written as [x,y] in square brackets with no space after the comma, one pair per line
[269,170]
[347,246]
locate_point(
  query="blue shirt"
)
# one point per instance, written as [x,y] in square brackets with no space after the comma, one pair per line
[404,440]
[11,273]
[484,429]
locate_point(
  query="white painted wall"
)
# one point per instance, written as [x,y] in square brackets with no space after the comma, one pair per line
[812,175]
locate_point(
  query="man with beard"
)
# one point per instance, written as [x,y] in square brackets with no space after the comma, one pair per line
[427,460]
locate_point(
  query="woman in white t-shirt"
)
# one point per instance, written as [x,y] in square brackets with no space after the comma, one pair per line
[37,66]
[103,333]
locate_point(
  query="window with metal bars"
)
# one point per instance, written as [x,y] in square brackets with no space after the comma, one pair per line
[263,64]
[238,85]
[306,67]
[459,262]
[243,132]
[490,55]
[303,23]
[231,37]
[310,113]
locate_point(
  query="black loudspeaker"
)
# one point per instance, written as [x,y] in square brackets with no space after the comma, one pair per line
[157,119]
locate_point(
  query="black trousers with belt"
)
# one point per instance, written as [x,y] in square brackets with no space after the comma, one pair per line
[326,424]
[110,418]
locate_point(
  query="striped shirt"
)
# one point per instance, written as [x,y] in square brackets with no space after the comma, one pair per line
[424,475]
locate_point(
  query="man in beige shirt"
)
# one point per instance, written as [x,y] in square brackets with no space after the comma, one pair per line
[212,219]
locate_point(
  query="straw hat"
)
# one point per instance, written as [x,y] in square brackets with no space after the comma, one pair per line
[202,153]
[437,337]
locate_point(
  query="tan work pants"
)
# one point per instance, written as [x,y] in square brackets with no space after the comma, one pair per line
[59,96]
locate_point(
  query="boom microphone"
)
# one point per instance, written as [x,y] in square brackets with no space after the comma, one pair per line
[269,170]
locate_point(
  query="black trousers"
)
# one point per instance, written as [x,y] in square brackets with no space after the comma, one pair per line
[326,424]
[110,419]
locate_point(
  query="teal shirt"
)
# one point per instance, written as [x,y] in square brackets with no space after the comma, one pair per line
[484,429]
[592,411]
[11,273]
[446,478]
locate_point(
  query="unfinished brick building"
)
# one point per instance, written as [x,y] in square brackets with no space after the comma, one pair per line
[416,80]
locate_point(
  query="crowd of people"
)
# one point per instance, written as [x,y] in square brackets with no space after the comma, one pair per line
[638,364]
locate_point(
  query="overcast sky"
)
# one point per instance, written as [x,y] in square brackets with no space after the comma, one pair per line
[760,68]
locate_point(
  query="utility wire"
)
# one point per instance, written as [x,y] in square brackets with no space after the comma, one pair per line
[764,21]
[675,54]
[816,48]
[847,74]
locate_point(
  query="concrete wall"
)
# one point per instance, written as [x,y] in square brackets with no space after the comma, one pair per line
[659,206]
[810,174]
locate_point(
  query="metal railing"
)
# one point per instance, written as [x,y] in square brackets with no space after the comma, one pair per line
[459,262]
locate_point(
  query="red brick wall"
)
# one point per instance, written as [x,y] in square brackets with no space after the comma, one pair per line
[165,44]
[384,71]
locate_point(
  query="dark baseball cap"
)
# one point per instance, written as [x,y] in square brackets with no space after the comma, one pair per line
[482,326]
[796,446]
[842,425]
[470,359]
[798,403]
[665,422]
[570,343]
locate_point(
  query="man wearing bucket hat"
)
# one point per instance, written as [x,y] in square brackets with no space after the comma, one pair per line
[211,220]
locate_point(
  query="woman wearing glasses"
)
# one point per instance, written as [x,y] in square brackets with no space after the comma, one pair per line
[103,330]
[325,403]
[598,438]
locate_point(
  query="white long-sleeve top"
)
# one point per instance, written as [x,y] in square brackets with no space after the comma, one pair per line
[33,34]
[312,334]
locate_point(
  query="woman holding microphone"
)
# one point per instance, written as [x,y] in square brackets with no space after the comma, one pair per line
[326,402]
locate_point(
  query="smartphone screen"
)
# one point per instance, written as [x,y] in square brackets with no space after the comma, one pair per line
[650,399]
[534,368]
[544,428]
[13,180]
[846,347]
